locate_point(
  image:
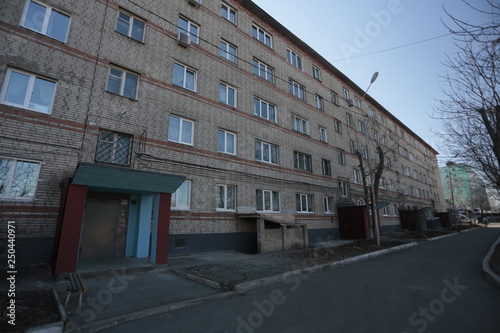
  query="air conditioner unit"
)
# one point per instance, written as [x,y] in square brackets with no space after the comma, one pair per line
[195,3]
[351,103]
[183,39]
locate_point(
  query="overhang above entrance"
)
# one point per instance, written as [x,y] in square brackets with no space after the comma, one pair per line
[115,178]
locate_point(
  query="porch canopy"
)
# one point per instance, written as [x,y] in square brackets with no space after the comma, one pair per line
[112,178]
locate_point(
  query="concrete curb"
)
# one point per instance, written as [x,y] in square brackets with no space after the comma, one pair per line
[154,311]
[245,287]
[198,279]
[488,273]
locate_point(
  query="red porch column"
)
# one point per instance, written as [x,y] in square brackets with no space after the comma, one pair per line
[163,230]
[67,254]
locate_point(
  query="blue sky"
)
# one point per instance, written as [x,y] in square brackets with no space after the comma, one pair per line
[409,83]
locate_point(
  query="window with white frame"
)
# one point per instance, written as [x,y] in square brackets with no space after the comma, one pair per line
[227,94]
[18,178]
[341,156]
[184,77]
[375,135]
[352,147]
[262,36]
[346,94]
[263,70]
[316,73]
[320,104]
[181,199]
[322,136]
[361,126]
[396,210]
[190,28]
[180,130]
[371,111]
[364,152]
[335,98]
[266,152]
[226,142]
[337,125]
[343,188]
[302,161]
[122,82]
[28,91]
[46,20]
[264,109]
[348,119]
[228,12]
[326,167]
[226,198]
[383,183]
[328,203]
[304,203]
[131,26]
[299,124]
[294,59]
[268,201]
[357,176]
[227,51]
[296,89]
[357,102]
[385,210]
[113,147]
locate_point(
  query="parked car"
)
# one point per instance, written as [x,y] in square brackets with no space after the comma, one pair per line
[463,218]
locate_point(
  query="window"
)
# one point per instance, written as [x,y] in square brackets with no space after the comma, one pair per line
[262,36]
[383,183]
[302,161]
[328,202]
[357,176]
[184,77]
[348,119]
[227,94]
[180,130]
[326,167]
[396,210]
[263,70]
[264,110]
[364,152]
[28,91]
[226,142]
[371,111]
[335,98]
[361,126]
[299,124]
[343,188]
[346,94]
[181,198]
[296,89]
[341,156]
[304,203]
[113,148]
[266,152]
[190,28]
[227,51]
[18,178]
[130,26]
[46,20]
[226,197]
[337,125]
[322,134]
[294,59]
[316,73]
[228,13]
[375,135]
[352,147]
[268,201]
[357,102]
[319,102]
[385,211]
[122,82]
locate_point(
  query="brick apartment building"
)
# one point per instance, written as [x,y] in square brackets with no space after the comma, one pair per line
[134,128]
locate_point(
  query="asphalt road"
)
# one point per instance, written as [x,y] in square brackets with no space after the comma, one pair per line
[433,287]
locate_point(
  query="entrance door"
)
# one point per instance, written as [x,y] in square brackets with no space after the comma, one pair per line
[104,231]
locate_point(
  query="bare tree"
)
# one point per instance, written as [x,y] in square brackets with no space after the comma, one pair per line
[470,109]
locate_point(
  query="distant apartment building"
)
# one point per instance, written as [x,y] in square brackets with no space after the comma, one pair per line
[463,188]
[146,128]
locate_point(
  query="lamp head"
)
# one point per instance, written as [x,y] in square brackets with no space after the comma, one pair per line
[374,77]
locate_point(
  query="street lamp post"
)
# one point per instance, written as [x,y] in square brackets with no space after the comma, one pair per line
[453,200]
[372,187]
